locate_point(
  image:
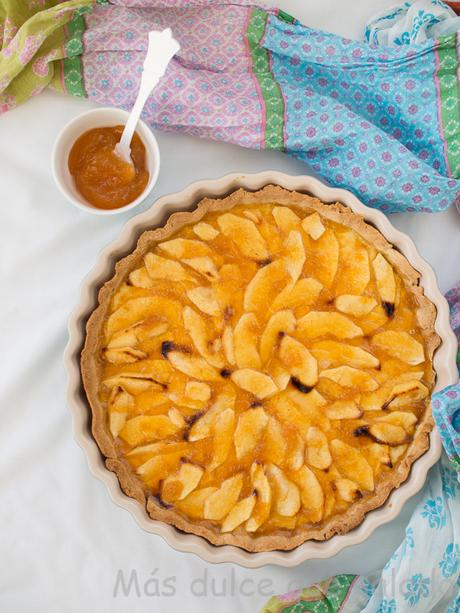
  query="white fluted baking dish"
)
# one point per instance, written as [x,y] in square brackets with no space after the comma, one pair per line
[443,363]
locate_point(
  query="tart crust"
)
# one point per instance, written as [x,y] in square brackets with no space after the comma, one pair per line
[91,366]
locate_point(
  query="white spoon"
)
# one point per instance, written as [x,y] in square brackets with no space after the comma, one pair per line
[162,47]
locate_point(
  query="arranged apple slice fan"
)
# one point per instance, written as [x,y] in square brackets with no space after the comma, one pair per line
[262,376]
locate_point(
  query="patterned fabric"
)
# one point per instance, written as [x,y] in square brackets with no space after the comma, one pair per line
[412,22]
[416,22]
[423,574]
[381,123]
[32,40]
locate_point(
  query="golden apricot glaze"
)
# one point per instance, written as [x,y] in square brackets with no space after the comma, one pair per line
[263,368]
[101,176]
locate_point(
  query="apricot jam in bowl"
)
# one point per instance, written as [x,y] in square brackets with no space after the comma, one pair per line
[89,173]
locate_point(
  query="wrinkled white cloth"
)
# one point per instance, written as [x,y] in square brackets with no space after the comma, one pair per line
[411,22]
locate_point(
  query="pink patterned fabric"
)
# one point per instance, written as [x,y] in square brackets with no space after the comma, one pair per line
[219,94]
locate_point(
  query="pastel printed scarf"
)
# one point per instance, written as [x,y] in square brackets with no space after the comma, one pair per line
[381,122]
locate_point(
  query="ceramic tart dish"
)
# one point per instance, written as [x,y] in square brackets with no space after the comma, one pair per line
[258,370]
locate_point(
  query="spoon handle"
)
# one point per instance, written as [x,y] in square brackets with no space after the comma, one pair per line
[162,47]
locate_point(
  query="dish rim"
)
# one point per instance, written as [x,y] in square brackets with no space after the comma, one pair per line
[444,363]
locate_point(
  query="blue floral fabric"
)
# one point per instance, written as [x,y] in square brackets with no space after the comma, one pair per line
[423,573]
[371,122]
[412,22]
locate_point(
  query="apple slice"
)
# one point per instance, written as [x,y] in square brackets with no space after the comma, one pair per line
[355,271]
[287,496]
[221,502]
[295,255]
[141,278]
[299,362]
[399,418]
[352,464]
[245,341]
[400,345]
[389,434]
[261,510]
[346,376]
[279,324]
[303,293]
[279,374]
[396,453]
[205,231]
[124,355]
[344,409]
[275,445]
[203,265]
[163,268]
[245,234]
[378,454]
[126,337]
[324,265]
[196,390]
[129,337]
[285,218]
[228,345]
[317,449]
[202,425]
[240,513]
[120,405]
[358,306]
[177,487]
[193,504]
[183,248]
[133,383]
[313,226]
[405,393]
[205,299]
[176,417]
[223,431]
[249,430]
[193,366]
[311,492]
[117,420]
[198,331]
[385,280]
[254,216]
[157,468]
[230,290]
[326,323]
[295,452]
[333,352]
[347,489]
[311,409]
[143,428]
[265,285]
[255,382]
[138,309]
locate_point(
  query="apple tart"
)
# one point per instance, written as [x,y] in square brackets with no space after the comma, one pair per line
[260,370]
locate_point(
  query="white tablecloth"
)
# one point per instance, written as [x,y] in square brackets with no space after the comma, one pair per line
[63,543]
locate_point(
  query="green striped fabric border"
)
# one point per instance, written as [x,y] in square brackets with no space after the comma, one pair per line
[326,597]
[285,16]
[449,110]
[270,92]
[73,68]
[72,63]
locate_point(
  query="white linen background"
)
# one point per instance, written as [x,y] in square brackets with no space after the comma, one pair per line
[62,540]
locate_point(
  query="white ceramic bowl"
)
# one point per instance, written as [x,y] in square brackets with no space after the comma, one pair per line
[100,118]
[444,365]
